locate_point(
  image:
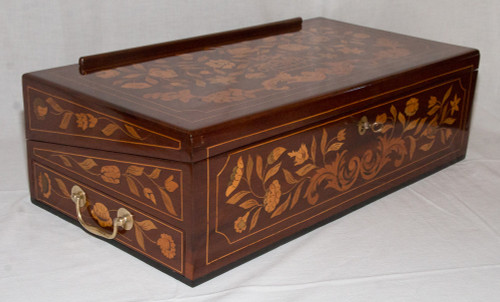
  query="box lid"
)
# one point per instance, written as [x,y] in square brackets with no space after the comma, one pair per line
[238,86]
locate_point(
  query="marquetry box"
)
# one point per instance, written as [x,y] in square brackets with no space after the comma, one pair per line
[199,154]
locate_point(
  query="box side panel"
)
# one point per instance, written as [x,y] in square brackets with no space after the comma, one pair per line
[267,192]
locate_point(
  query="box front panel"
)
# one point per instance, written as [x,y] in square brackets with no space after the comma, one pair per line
[269,191]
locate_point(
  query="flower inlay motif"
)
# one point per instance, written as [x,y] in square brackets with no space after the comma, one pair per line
[277,183]
[101,214]
[252,70]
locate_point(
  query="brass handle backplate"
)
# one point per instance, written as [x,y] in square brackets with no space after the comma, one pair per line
[123,217]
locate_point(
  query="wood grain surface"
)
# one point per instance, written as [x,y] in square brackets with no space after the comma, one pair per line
[232,149]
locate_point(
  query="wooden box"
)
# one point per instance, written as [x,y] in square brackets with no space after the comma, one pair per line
[224,146]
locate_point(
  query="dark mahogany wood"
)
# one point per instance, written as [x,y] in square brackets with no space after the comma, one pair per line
[115,59]
[228,150]
[178,106]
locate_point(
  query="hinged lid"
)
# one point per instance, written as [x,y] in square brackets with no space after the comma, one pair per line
[241,86]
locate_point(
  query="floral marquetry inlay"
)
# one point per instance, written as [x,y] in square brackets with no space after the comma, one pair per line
[267,184]
[52,114]
[193,76]
[253,70]
[82,120]
[154,186]
[148,235]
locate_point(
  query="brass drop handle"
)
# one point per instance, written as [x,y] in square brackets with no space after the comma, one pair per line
[123,217]
[364,125]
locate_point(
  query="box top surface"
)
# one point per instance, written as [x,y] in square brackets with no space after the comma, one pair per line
[222,87]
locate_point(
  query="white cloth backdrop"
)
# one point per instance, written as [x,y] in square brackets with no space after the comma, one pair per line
[436,240]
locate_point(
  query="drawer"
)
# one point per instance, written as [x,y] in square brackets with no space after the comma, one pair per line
[157,242]
[152,185]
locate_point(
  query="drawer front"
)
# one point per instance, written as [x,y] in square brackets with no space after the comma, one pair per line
[266,192]
[152,185]
[154,239]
